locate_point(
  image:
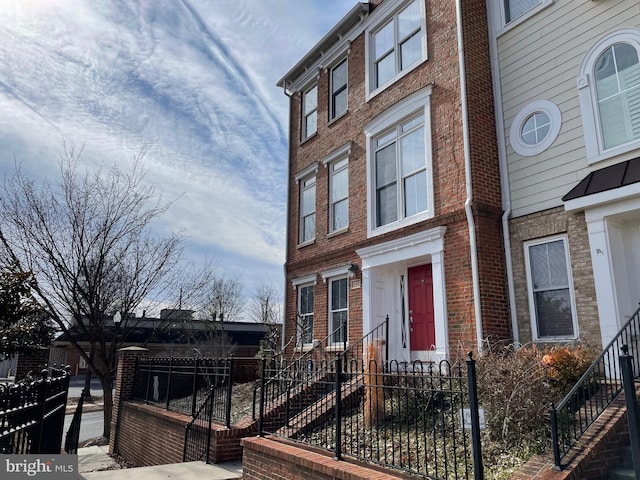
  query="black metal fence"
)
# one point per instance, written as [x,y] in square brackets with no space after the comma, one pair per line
[32,414]
[397,415]
[184,384]
[594,392]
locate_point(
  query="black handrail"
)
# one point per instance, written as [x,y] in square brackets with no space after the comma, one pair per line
[593,393]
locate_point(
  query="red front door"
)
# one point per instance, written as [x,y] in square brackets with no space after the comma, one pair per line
[421,320]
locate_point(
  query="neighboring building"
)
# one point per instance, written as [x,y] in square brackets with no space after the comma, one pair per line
[175,333]
[567,88]
[394,205]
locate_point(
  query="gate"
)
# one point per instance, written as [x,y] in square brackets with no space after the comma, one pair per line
[32,414]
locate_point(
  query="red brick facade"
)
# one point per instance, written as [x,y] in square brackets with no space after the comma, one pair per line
[328,251]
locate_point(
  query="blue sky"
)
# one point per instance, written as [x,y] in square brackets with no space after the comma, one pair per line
[190,82]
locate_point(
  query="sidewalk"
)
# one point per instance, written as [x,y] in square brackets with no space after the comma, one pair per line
[95,463]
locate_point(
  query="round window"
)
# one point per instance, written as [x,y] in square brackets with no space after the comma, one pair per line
[535,128]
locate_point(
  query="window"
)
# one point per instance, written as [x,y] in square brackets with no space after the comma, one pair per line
[396,44]
[338,90]
[339,193]
[609,87]
[514,9]
[305,314]
[338,309]
[308,209]
[400,184]
[310,112]
[550,289]
[400,172]
[535,128]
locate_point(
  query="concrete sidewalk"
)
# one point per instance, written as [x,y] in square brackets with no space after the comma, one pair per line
[95,463]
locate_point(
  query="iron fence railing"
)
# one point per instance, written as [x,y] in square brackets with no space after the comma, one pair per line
[184,384]
[197,436]
[405,416]
[32,414]
[313,366]
[594,392]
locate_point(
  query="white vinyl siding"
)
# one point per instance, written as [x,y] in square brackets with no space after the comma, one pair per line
[540,60]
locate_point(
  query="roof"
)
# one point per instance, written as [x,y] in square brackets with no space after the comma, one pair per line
[334,35]
[240,333]
[608,178]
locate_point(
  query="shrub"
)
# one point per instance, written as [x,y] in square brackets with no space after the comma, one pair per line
[516,387]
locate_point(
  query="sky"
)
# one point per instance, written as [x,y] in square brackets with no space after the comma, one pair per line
[191,83]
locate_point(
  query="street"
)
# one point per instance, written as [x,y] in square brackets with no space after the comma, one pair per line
[90,427]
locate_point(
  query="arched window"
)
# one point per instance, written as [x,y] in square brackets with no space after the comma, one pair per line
[609,87]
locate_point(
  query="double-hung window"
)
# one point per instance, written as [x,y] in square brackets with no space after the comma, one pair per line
[308,209]
[338,90]
[310,112]
[338,309]
[400,172]
[396,44]
[609,88]
[400,183]
[339,195]
[305,314]
[551,296]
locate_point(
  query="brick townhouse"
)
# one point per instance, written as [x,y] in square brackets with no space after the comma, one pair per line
[394,198]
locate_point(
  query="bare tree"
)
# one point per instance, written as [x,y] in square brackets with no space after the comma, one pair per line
[86,239]
[265,307]
[223,300]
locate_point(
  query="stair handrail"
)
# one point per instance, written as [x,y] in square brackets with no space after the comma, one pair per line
[599,386]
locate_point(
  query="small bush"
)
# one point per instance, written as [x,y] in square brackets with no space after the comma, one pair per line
[516,387]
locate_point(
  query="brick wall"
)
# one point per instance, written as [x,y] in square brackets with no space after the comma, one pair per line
[267,459]
[32,362]
[543,224]
[441,70]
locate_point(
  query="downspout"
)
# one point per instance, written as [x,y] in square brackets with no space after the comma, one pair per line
[468,180]
[283,335]
[504,171]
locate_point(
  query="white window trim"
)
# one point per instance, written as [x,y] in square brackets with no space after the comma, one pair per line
[332,116]
[532,307]
[300,180]
[298,293]
[588,102]
[500,15]
[341,153]
[304,135]
[330,328]
[515,136]
[381,15]
[307,279]
[408,106]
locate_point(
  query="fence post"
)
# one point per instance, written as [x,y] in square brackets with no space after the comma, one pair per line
[632,412]
[555,439]
[262,385]
[194,390]
[169,383]
[478,469]
[229,388]
[338,407]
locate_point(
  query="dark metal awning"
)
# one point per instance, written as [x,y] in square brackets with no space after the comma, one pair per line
[608,178]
